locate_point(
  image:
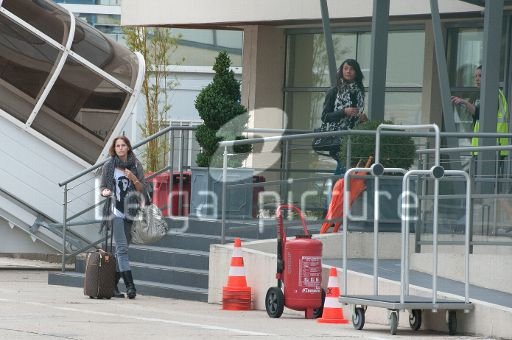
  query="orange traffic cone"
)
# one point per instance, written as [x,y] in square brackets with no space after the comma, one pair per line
[236,295]
[333,313]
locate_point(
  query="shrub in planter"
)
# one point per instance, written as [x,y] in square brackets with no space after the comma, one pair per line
[224,117]
[395,151]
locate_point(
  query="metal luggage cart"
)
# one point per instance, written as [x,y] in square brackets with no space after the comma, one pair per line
[405,301]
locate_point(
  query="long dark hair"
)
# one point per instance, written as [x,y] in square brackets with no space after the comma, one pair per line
[112,150]
[359,74]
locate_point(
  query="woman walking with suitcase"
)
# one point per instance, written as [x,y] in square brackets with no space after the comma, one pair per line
[122,180]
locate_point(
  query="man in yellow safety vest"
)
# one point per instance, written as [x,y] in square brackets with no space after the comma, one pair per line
[474,109]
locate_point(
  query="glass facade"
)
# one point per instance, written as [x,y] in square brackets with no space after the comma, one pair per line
[465,51]
[307,73]
[26,62]
[71,102]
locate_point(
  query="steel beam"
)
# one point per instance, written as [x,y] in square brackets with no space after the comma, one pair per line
[378,59]
[493,21]
[444,83]
[328,41]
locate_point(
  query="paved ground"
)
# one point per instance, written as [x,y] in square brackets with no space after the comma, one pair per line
[32,309]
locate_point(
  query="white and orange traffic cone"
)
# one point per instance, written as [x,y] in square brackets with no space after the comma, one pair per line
[236,295]
[333,312]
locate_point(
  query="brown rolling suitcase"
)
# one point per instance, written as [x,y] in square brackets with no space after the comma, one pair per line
[100,271]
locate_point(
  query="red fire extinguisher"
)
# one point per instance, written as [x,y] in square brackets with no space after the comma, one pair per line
[299,269]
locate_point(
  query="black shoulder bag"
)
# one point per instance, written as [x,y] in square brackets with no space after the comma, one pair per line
[326,144]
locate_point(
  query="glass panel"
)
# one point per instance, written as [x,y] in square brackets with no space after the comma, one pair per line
[47,17]
[304,109]
[406,51]
[80,111]
[463,118]
[92,45]
[307,64]
[230,39]
[465,49]
[403,107]
[195,35]
[404,60]
[99,19]
[25,64]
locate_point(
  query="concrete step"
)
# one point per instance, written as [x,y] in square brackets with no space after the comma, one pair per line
[170,275]
[181,275]
[194,259]
[190,241]
[73,279]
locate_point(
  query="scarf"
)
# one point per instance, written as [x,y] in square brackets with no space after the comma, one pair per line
[348,96]
[132,200]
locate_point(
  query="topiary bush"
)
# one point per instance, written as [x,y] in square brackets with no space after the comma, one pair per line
[224,117]
[395,151]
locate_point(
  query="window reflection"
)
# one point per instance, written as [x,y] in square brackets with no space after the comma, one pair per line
[82,108]
[307,66]
[47,17]
[403,107]
[25,65]
[307,63]
[80,111]
[104,53]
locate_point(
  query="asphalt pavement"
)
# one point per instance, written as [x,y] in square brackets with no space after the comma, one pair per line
[32,309]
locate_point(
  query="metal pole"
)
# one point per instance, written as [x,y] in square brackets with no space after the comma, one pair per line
[346,195]
[182,157]
[64,227]
[491,51]
[378,59]
[349,153]
[435,244]
[468,236]
[402,242]
[171,166]
[444,83]
[223,203]
[329,46]
[284,178]
[376,212]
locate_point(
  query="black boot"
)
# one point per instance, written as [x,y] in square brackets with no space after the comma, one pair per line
[117,293]
[130,286]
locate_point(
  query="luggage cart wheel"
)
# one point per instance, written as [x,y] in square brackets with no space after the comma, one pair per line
[274,302]
[317,312]
[452,322]
[358,318]
[393,322]
[415,319]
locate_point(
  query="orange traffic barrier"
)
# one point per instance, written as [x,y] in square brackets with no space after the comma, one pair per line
[333,312]
[334,217]
[236,295]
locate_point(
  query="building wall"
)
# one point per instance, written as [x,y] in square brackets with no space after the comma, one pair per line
[204,12]
[15,240]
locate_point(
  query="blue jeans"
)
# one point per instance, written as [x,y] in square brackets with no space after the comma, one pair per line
[121,228]
[340,169]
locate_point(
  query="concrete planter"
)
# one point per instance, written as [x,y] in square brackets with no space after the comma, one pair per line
[206,193]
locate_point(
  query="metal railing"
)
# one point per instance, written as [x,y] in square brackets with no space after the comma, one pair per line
[294,171]
[66,220]
[423,194]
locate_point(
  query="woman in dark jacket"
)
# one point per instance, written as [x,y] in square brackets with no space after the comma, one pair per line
[344,103]
[122,181]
